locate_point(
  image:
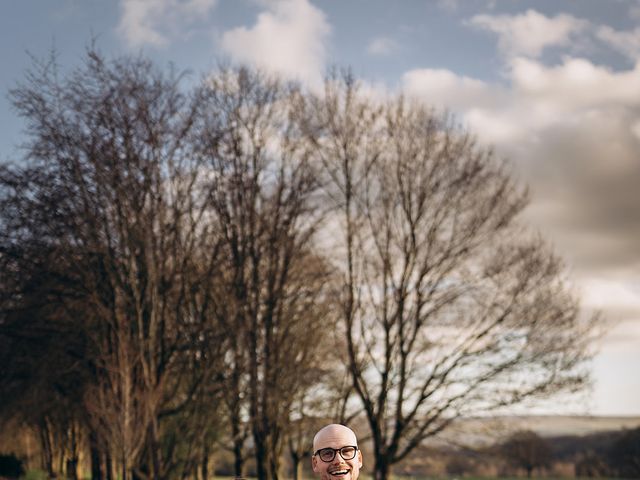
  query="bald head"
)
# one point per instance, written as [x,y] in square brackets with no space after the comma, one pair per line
[334,436]
[334,457]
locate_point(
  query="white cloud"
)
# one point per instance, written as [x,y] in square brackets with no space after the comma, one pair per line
[575,93]
[287,39]
[574,129]
[448,5]
[382,46]
[536,98]
[603,293]
[531,32]
[576,83]
[634,11]
[539,97]
[444,89]
[155,22]
[626,42]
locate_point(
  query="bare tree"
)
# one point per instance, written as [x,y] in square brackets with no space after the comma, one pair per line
[184,221]
[44,367]
[117,407]
[111,186]
[624,454]
[591,464]
[326,394]
[449,307]
[265,204]
[526,449]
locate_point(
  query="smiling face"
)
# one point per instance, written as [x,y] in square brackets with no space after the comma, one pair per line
[336,436]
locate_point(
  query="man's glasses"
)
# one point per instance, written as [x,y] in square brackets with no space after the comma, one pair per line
[328,454]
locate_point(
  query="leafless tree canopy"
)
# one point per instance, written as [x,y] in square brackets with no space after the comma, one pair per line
[194,267]
[527,450]
[449,307]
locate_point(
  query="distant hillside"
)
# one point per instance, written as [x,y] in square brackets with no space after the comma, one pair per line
[478,431]
[555,426]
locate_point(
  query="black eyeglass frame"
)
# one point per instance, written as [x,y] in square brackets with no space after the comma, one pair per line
[336,450]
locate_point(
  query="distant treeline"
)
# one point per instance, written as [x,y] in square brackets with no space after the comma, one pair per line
[609,454]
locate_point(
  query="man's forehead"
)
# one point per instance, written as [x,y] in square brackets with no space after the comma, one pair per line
[334,436]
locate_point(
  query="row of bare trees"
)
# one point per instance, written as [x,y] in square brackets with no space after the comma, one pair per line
[185,268]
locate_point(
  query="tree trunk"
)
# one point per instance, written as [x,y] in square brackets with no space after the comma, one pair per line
[296,466]
[72,462]
[47,451]
[262,471]
[72,468]
[94,456]
[204,467]
[382,468]
[108,467]
[238,444]
[154,451]
[274,466]
[238,460]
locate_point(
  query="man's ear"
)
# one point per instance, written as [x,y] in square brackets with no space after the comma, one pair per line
[360,457]
[314,461]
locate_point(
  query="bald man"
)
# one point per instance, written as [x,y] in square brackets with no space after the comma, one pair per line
[335,453]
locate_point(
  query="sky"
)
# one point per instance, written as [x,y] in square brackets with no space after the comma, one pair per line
[552,85]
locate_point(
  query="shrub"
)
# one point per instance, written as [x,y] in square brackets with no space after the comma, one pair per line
[11,466]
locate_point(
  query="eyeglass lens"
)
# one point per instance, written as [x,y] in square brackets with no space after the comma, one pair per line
[328,454]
